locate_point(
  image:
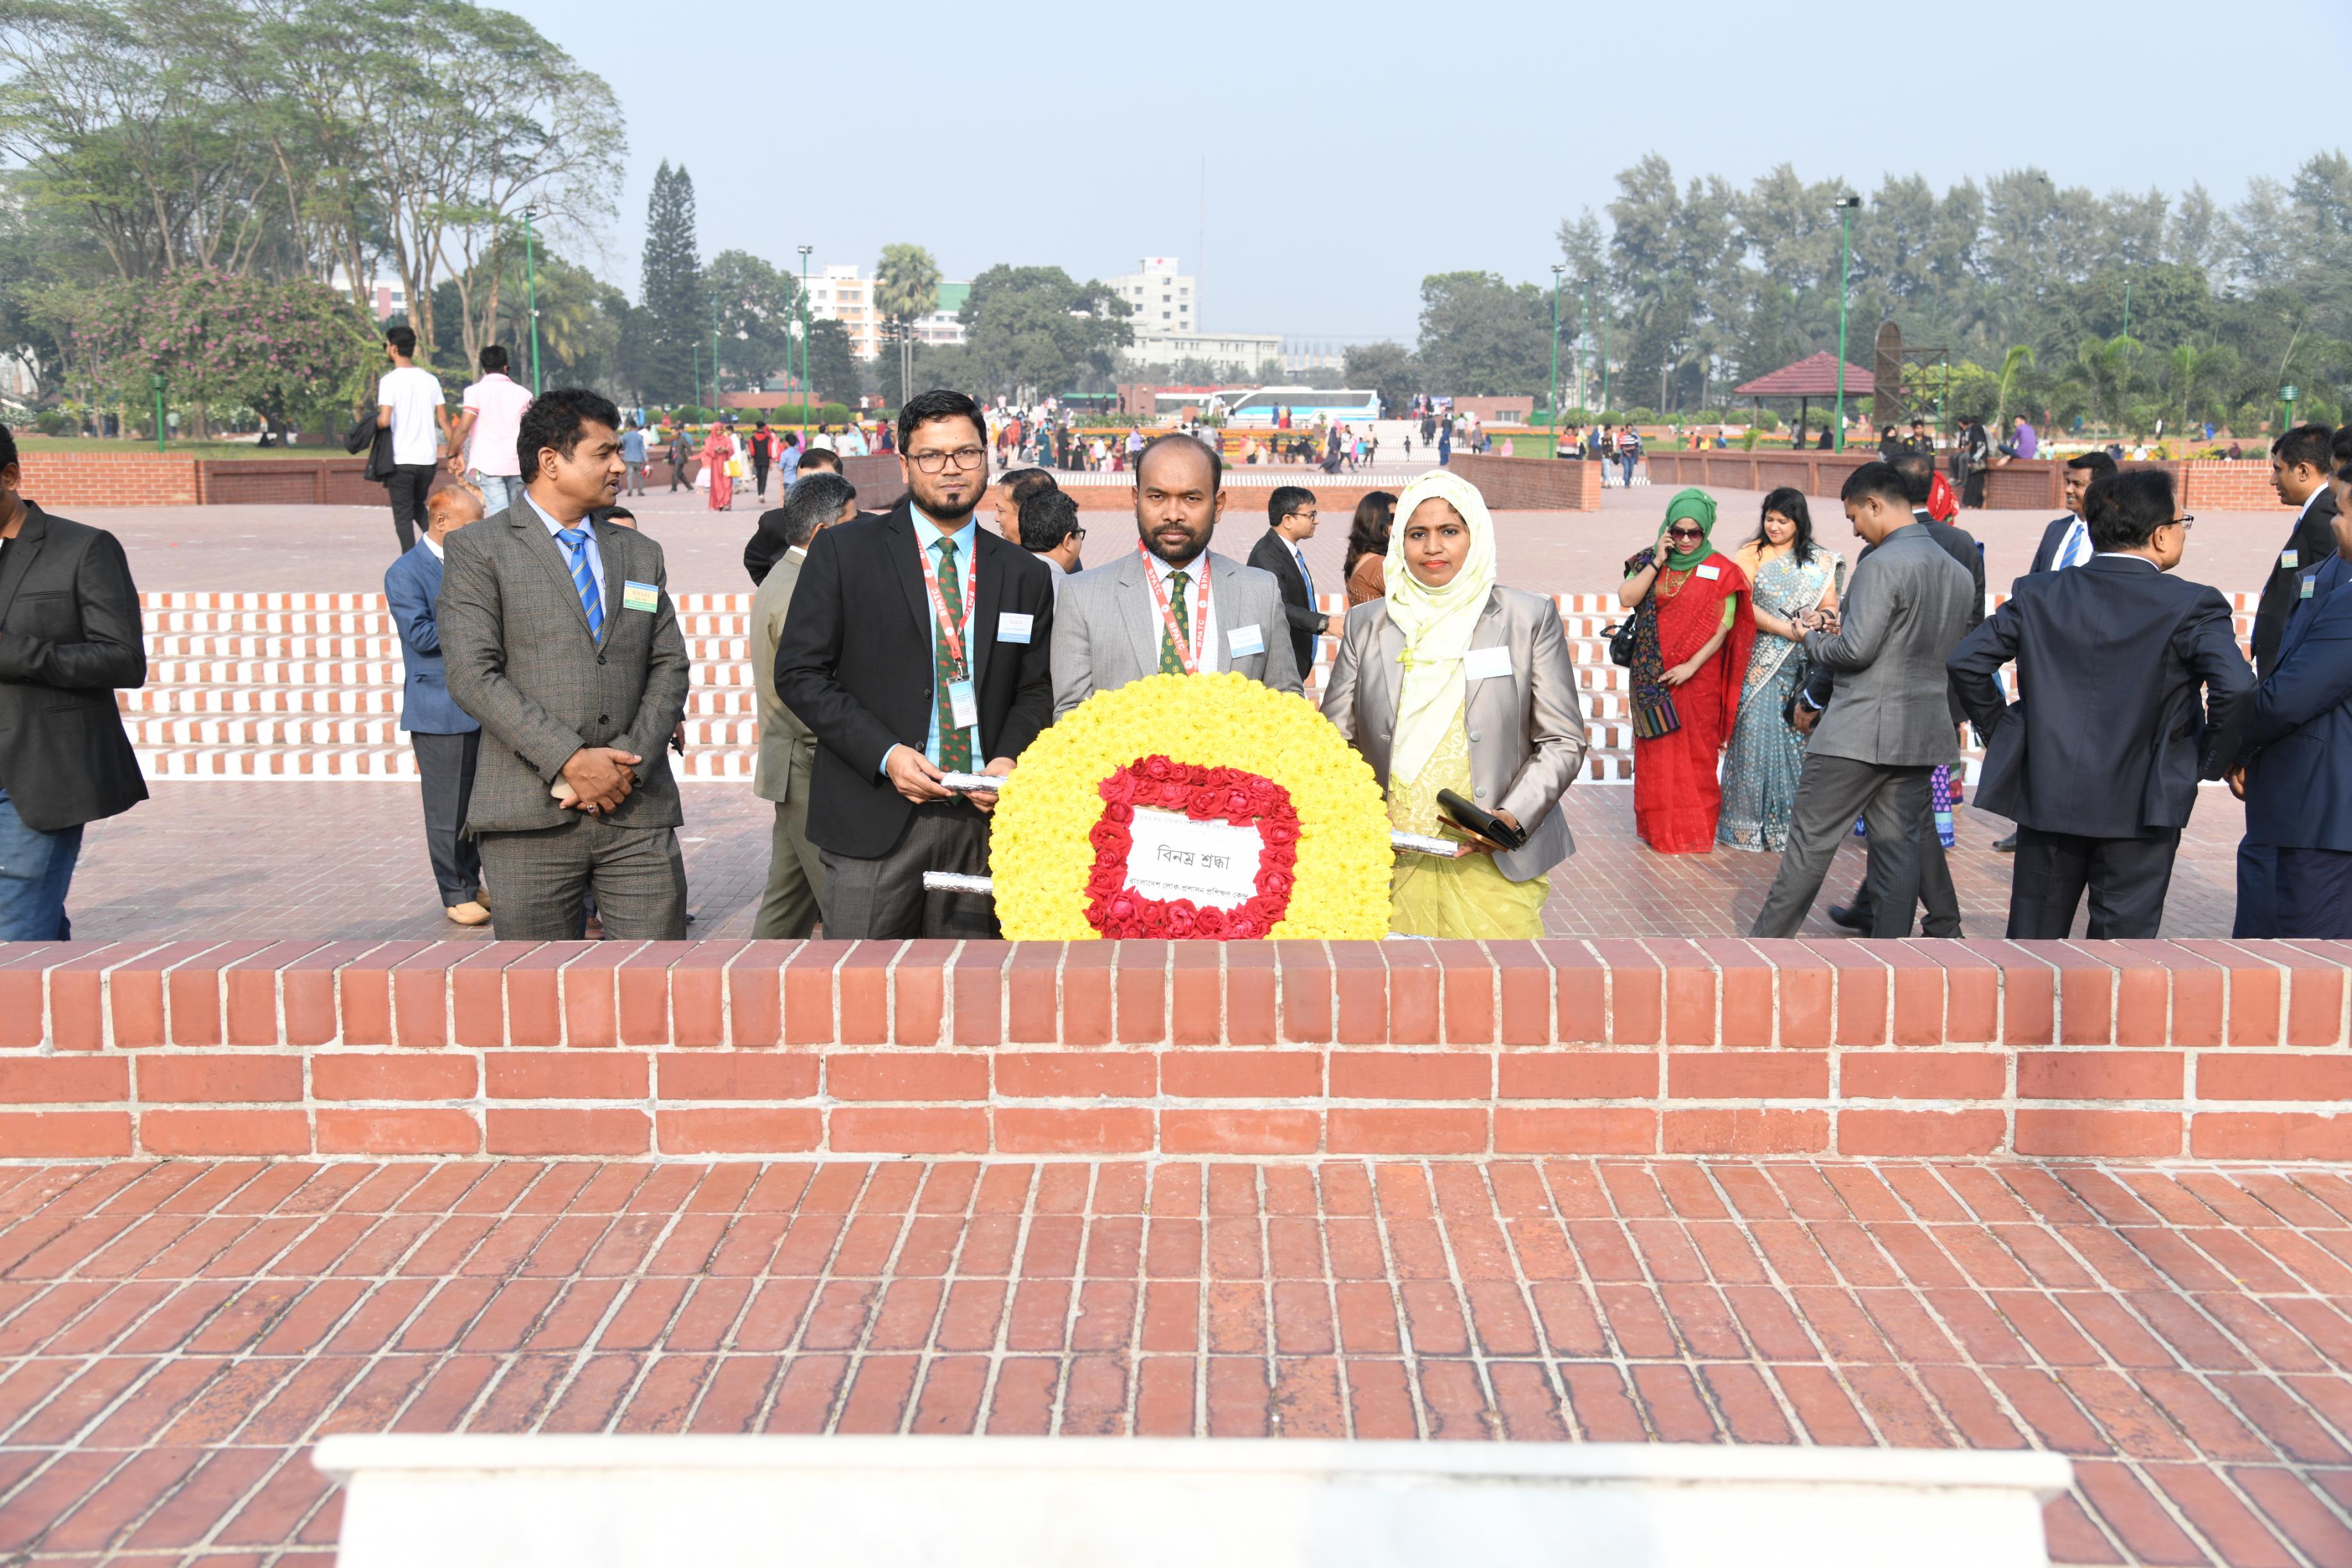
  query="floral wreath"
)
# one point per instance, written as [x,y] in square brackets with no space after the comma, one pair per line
[1216,748]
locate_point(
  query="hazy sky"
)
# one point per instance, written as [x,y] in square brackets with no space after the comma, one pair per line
[1350,150]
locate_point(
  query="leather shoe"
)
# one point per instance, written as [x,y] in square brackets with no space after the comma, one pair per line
[1846,916]
[469,913]
[2006,845]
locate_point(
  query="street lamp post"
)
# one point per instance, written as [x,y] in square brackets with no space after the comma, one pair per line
[714,358]
[530,293]
[805,392]
[1583,335]
[695,351]
[1845,271]
[1557,270]
[156,380]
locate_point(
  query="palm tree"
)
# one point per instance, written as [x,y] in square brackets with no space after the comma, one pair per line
[2019,357]
[905,289]
[2103,367]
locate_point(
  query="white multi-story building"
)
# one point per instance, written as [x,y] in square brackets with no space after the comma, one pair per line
[388,296]
[1166,320]
[1162,298]
[841,294]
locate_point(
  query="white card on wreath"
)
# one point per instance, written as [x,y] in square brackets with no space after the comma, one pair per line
[1171,856]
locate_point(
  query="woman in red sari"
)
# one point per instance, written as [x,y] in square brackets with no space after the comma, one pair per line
[1693,627]
[717,452]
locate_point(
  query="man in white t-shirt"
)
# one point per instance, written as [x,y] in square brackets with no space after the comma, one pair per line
[482,442]
[408,403]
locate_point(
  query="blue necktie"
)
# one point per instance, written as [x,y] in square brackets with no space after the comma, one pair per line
[575,545]
[2073,551]
[1304,574]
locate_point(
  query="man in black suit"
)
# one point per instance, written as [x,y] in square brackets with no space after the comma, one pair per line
[69,635]
[1937,894]
[2066,541]
[917,646]
[2127,680]
[2300,463]
[1291,515]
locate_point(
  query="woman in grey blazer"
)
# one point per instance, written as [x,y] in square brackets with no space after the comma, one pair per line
[1453,682]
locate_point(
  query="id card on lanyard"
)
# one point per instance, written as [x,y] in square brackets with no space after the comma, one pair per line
[963,702]
[1189,657]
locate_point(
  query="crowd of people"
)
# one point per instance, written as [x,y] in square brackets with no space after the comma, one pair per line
[1779,700]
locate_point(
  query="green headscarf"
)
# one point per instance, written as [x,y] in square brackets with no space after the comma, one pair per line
[1698,507]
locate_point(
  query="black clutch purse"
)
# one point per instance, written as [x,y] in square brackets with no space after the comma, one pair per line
[1480,821]
[1621,642]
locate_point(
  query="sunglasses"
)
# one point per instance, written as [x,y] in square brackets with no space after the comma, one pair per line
[1686,533]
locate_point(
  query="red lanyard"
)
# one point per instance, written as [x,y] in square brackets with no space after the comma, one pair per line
[1190,657]
[952,630]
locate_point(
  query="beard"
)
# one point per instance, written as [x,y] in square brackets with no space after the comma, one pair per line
[1183,555]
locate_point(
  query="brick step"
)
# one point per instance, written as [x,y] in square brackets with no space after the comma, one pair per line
[735,604]
[211,646]
[357,623]
[736,672]
[340,760]
[355,700]
[382,729]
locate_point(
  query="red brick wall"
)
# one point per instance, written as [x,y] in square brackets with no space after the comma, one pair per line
[1531,484]
[63,480]
[2026,484]
[695,1049]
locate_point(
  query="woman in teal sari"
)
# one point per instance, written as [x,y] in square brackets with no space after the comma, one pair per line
[1791,575]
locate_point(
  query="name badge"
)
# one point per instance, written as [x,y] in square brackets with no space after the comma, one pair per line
[1011,628]
[2307,582]
[1708,570]
[963,705]
[643,596]
[1241,642]
[1486,663]
[2289,560]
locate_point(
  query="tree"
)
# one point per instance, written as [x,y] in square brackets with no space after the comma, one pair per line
[1033,327]
[905,289]
[287,350]
[833,369]
[1480,336]
[671,289]
[757,306]
[1388,369]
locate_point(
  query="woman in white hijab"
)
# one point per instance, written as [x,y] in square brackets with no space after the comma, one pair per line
[1453,682]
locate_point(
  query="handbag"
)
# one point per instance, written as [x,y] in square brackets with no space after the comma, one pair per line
[734,467]
[1621,641]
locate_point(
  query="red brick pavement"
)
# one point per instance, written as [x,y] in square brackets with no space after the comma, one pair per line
[223,860]
[173,1337]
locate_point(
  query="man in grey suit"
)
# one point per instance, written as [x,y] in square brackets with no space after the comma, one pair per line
[561,640]
[1174,608]
[1905,609]
[787,747]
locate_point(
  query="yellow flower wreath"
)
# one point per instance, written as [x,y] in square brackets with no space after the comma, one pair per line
[1041,854]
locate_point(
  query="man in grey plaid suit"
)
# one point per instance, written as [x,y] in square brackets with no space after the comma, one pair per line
[561,640]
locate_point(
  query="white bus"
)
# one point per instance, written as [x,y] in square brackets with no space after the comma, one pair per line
[1263,408]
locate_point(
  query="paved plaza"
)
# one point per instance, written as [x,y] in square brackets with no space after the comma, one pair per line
[173,1338]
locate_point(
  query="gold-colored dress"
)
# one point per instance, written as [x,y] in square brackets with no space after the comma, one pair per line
[1467,899]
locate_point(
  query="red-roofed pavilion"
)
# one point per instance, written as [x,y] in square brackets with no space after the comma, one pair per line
[1806,380]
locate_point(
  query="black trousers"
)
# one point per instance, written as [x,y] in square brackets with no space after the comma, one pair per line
[2315,893]
[2258,913]
[760,477]
[1937,894]
[2126,878]
[444,764]
[407,485]
[884,897]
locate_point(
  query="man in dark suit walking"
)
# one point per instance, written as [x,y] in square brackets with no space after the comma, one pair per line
[2127,680]
[2300,463]
[2297,780]
[562,641]
[917,648]
[70,635]
[1291,515]
[1904,610]
[447,741]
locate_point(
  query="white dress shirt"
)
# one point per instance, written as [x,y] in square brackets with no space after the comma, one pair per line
[595,557]
[2073,546]
[1213,651]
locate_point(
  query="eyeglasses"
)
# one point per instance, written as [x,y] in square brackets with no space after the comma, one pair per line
[1686,533]
[2186,520]
[962,458]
